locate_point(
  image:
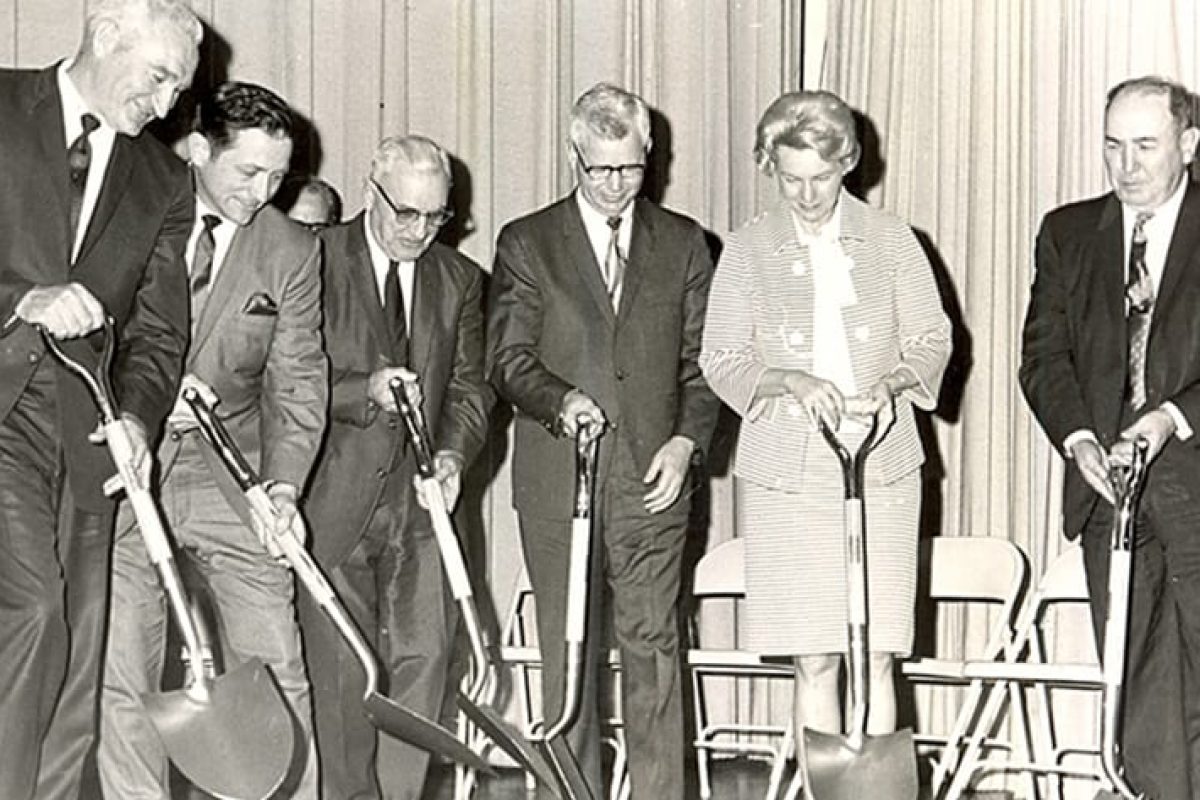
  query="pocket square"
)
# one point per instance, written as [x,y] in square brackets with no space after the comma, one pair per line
[260,304]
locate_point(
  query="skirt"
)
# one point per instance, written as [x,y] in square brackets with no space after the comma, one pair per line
[796,567]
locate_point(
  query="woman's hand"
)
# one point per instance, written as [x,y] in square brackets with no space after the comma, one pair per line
[820,398]
[878,402]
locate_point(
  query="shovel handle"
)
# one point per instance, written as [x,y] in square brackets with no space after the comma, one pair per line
[414,423]
[853,463]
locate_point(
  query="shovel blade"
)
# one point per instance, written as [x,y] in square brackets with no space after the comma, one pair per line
[507,738]
[395,720]
[237,743]
[883,767]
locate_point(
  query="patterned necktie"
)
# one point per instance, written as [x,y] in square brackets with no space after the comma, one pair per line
[393,306]
[202,264]
[1139,302]
[79,159]
[614,263]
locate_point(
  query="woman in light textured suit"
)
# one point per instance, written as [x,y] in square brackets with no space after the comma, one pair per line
[823,308]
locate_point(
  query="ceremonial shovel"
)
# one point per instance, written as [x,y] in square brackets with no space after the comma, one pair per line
[232,735]
[858,766]
[477,699]
[386,714]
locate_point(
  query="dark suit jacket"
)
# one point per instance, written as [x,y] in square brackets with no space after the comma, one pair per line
[364,444]
[258,345]
[1073,360]
[131,260]
[551,327]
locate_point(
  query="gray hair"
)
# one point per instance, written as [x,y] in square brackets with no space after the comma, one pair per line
[609,112]
[814,120]
[1179,100]
[414,152]
[175,12]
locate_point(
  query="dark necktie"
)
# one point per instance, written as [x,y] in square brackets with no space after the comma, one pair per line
[79,159]
[1139,301]
[202,266]
[393,308]
[614,263]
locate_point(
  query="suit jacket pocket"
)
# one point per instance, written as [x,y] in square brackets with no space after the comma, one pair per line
[260,304]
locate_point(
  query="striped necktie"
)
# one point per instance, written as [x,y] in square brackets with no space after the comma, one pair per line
[1139,300]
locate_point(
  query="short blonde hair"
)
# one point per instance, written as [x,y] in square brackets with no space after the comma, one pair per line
[814,120]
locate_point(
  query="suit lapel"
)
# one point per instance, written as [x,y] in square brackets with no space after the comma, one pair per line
[641,255]
[45,107]
[232,273]
[1183,247]
[116,180]
[1107,265]
[358,261]
[426,311]
[580,253]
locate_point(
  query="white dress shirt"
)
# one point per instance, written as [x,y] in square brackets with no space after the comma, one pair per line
[406,271]
[101,142]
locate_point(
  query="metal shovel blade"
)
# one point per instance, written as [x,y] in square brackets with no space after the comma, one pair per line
[237,743]
[395,720]
[507,738]
[881,767]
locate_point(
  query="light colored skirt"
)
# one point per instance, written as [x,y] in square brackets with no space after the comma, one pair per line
[796,567]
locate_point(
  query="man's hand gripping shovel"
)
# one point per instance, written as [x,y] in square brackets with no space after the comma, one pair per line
[232,735]
[477,698]
[386,714]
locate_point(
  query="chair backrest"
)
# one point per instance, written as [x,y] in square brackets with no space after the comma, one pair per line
[721,571]
[1065,580]
[978,569]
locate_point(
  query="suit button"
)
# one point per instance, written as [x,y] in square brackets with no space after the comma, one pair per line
[620,374]
[33,358]
[392,423]
[381,473]
[176,436]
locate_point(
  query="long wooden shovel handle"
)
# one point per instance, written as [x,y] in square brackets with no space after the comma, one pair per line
[145,511]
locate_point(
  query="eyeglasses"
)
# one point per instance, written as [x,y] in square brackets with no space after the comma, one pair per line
[407,217]
[601,173]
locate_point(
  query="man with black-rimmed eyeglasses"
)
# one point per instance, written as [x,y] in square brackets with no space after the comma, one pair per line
[596,313]
[397,305]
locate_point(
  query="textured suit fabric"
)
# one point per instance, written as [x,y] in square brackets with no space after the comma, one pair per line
[551,327]
[369,534]
[53,561]
[258,345]
[1073,372]
[761,316]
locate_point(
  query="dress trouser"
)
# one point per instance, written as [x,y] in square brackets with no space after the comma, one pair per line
[254,599]
[53,601]
[1160,735]
[392,585]
[637,556]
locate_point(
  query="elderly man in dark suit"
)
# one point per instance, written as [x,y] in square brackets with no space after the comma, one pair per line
[596,312]
[256,352]
[397,305]
[93,221]
[1111,351]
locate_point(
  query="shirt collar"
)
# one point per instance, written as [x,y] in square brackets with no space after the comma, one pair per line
[592,217]
[379,257]
[1163,218]
[74,107]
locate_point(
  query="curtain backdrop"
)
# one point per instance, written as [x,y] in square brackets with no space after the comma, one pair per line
[990,113]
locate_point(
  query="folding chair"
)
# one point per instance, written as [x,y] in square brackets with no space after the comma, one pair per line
[520,651]
[982,578]
[1063,584]
[720,576]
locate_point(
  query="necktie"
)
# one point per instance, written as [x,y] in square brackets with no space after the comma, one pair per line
[393,306]
[614,263]
[202,263]
[1139,300]
[79,158]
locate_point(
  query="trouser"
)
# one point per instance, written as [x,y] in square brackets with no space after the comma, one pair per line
[1160,734]
[53,596]
[637,556]
[391,583]
[253,595]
